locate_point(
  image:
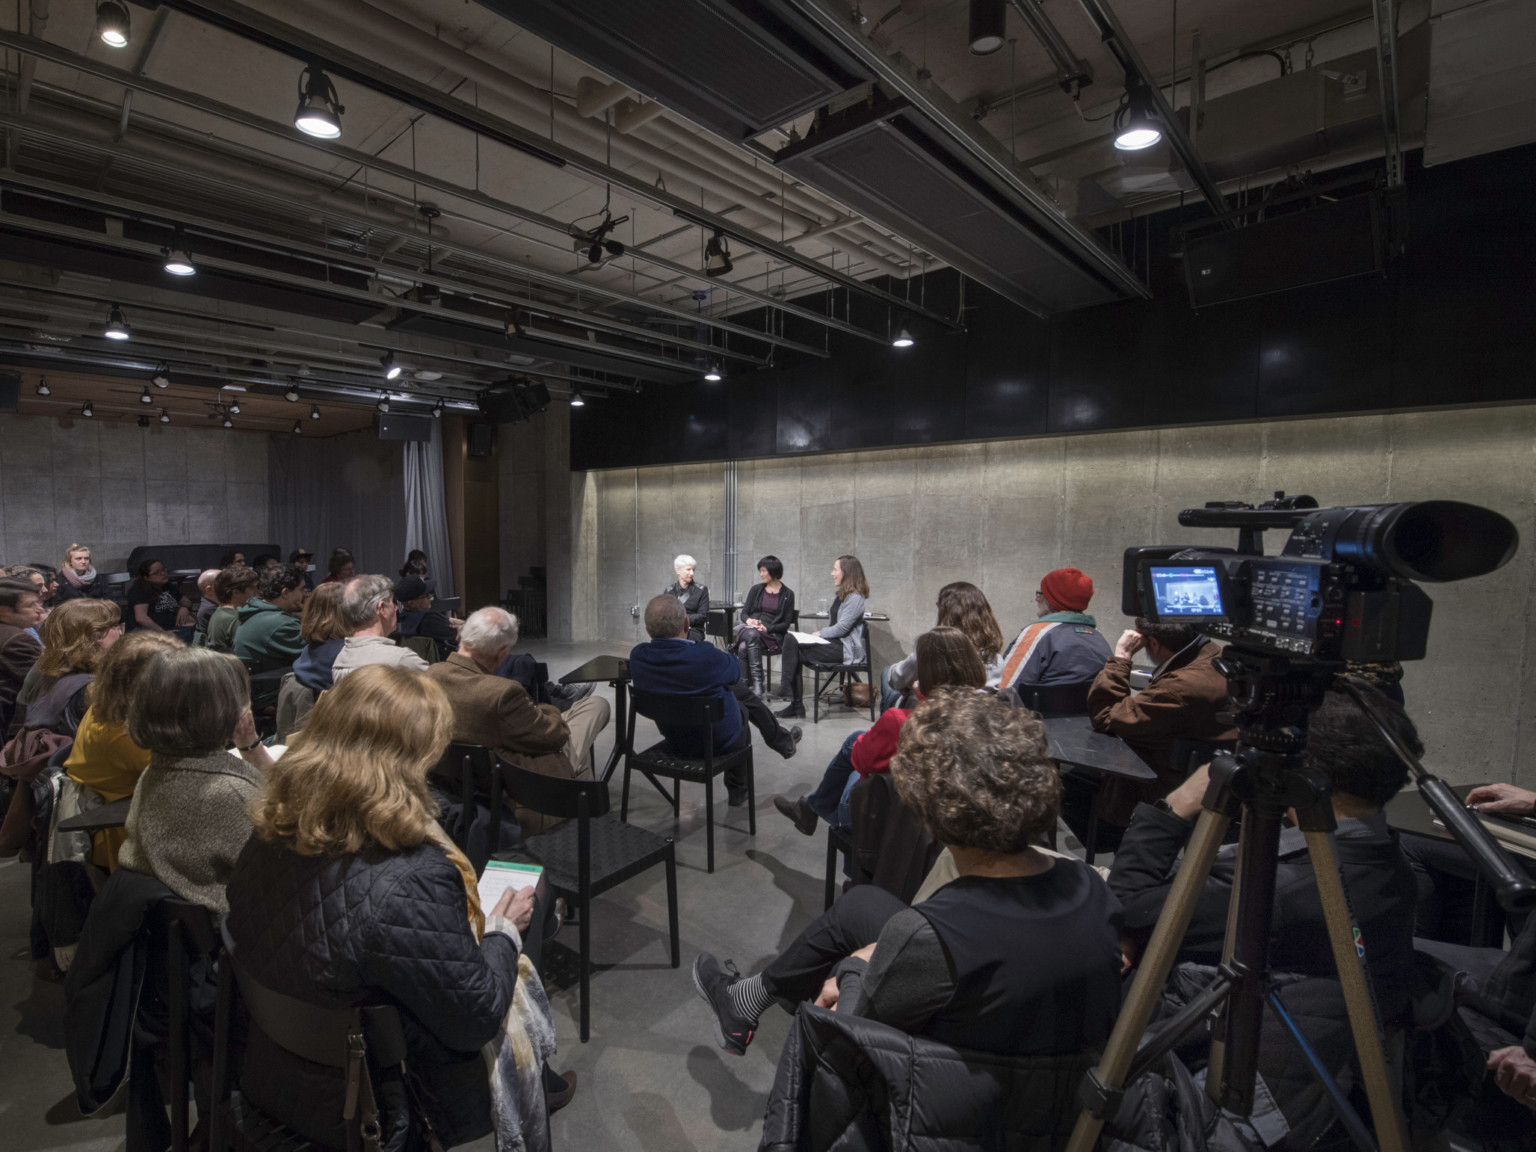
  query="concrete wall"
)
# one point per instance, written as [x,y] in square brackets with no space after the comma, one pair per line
[115,486]
[1002,513]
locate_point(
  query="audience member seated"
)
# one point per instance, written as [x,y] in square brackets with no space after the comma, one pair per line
[207,606]
[1063,646]
[27,574]
[21,611]
[415,565]
[1182,702]
[946,658]
[497,713]
[368,609]
[842,640]
[414,596]
[104,757]
[1019,955]
[268,637]
[340,567]
[347,894]
[323,629]
[76,636]
[1344,746]
[766,614]
[693,596]
[190,815]
[152,602]
[303,560]
[671,664]
[233,558]
[233,588]
[265,560]
[79,578]
[963,606]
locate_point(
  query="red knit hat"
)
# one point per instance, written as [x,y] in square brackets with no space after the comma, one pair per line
[1067,589]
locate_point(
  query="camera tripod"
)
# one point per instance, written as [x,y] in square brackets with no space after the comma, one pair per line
[1262,780]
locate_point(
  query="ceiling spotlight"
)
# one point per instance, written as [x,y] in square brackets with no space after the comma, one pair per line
[117,327]
[319,111]
[146,398]
[291,395]
[383,404]
[162,376]
[87,410]
[42,386]
[989,26]
[228,423]
[165,415]
[597,241]
[314,411]
[178,261]
[297,427]
[1135,128]
[713,373]
[112,23]
[903,338]
[391,369]
[576,400]
[234,407]
[717,256]
[437,410]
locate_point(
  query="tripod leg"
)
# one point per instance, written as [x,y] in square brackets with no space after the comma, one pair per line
[1155,965]
[1364,1021]
[1217,1064]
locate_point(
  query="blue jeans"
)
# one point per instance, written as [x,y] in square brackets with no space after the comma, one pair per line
[829,801]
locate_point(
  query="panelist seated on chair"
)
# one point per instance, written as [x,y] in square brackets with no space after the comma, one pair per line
[946,658]
[1019,955]
[348,894]
[840,642]
[693,596]
[493,711]
[1064,644]
[960,605]
[368,608]
[672,665]
[1343,745]
[766,614]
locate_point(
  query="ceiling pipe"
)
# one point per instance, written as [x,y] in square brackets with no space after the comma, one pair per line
[39,21]
[1107,24]
[1385,14]
[400,40]
[1072,74]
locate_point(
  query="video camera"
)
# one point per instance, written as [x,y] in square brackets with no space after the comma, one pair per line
[1343,587]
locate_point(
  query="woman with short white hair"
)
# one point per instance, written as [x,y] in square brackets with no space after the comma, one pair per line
[694,596]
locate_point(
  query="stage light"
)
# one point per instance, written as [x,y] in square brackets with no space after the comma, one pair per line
[383,404]
[146,398]
[314,411]
[392,370]
[291,395]
[576,400]
[234,407]
[297,428]
[717,256]
[162,376]
[117,327]
[178,261]
[1134,127]
[228,423]
[437,410]
[989,26]
[165,415]
[112,23]
[319,111]
[714,373]
[87,410]
[903,338]
[42,387]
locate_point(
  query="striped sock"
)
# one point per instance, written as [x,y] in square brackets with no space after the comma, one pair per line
[749,999]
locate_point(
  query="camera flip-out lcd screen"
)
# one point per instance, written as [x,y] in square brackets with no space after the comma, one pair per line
[1185,590]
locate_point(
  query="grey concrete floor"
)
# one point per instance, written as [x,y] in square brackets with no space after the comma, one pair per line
[651,1077]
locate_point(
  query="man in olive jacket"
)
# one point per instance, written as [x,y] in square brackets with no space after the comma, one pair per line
[497,713]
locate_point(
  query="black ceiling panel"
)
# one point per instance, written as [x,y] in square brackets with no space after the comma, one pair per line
[738,67]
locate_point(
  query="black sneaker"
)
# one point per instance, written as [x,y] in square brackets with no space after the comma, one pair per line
[789,741]
[799,811]
[714,980]
[793,712]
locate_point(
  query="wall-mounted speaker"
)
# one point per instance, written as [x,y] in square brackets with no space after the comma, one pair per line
[395,426]
[482,438]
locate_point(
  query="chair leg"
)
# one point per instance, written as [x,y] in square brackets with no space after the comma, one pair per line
[751,795]
[624,801]
[709,822]
[831,885]
[585,928]
[677,954]
[815,697]
[677,796]
[873,692]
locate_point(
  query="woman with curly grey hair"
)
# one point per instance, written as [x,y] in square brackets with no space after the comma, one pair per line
[1019,955]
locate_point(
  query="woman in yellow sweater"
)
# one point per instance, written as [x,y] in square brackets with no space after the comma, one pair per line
[104,758]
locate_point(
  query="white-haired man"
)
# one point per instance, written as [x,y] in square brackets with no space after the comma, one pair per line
[496,712]
[368,608]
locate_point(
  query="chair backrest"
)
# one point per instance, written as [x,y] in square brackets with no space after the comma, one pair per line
[556,795]
[679,712]
[1055,699]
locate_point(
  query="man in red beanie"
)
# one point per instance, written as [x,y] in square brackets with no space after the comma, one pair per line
[1064,645]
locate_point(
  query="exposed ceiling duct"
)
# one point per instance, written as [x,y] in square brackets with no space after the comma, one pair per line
[1482,78]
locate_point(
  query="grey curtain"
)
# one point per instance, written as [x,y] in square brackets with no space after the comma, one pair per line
[426,507]
[343,491]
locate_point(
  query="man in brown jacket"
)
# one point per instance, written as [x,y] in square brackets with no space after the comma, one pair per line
[496,712]
[20,609]
[1181,703]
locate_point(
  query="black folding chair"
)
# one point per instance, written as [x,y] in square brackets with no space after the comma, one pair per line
[590,853]
[1055,699]
[190,932]
[826,674]
[469,771]
[661,760]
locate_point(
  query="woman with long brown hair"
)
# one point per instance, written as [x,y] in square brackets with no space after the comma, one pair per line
[323,630]
[75,638]
[960,605]
[945,659]
[346,895]
[840,642]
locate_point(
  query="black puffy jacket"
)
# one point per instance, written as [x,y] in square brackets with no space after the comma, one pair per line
[374,928]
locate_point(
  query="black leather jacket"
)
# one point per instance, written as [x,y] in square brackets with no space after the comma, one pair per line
[375,928]
[695,603]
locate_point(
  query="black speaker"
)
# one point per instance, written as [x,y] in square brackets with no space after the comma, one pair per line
[10,389]
[514,400]
[534,395]
[395,426]
[1332,241]
[482,438]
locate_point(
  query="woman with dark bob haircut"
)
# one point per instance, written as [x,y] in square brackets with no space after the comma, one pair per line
[1019,955]
[766,614]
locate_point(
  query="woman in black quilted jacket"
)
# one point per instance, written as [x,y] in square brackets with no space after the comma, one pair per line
[344,896]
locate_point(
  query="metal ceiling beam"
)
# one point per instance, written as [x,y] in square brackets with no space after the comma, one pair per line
[1113,35]
[980,145]
[1385,14]
[301,46]
[1072,74]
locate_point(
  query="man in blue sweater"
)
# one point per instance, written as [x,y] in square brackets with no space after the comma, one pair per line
[673,665]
